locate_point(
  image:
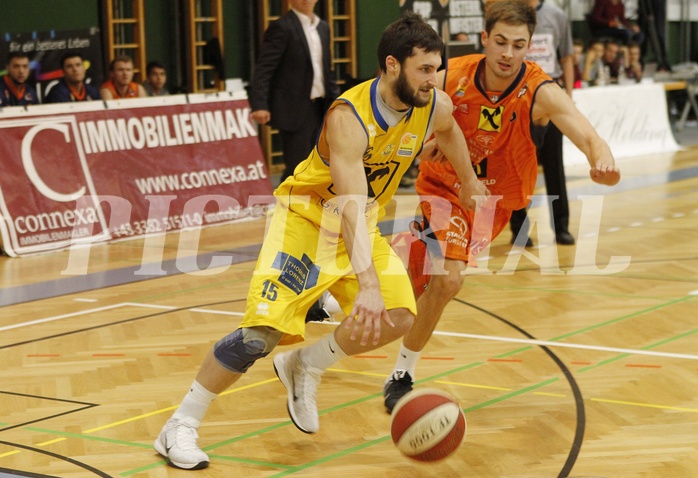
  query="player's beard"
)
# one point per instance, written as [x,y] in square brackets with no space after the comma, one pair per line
[408,95]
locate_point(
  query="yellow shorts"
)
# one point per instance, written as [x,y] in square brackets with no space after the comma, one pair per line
[298,263]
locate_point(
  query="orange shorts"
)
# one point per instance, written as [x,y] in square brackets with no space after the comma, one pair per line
[454,233]
[446,231]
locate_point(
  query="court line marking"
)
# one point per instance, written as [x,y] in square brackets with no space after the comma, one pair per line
[112,307]
[452,334]
[83,312]
[547,343]
[646,405]
[598,348]
[219,312]
[139,417]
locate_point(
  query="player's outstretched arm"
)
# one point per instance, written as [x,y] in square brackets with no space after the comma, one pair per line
[553,104]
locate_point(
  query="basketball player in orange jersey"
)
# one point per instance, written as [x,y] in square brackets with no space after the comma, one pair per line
[503,105]
[121,84]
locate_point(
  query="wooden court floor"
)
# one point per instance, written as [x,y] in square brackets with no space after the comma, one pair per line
[569,361]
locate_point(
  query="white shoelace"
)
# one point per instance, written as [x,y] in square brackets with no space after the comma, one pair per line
[307,382]
[185,437]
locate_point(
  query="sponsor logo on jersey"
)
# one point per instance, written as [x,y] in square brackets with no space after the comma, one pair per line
[522,91]
[262,308]
[296,274]
[379,176]
[490,118]
[459,236]
[408,145]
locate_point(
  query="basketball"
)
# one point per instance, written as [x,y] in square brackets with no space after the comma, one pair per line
[427,425]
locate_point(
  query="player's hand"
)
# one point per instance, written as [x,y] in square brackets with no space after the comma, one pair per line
[366,316]
[261,116]
[431,152]
[608,175]
[473,194]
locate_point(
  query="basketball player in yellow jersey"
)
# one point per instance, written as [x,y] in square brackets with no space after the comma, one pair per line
[503,105]
[324,236]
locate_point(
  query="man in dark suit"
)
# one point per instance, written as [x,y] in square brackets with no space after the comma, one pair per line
[292,85]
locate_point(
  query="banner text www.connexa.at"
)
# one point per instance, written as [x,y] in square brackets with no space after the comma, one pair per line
[87,173]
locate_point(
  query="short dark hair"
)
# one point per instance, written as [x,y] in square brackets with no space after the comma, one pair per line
[71,54]
[152,65]
[120,58]
[401,37]
[511,12]
[17,54]
[611,41]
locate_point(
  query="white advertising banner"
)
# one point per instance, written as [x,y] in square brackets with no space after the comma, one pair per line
[632,119]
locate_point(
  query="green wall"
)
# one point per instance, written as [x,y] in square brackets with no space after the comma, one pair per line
[240,37]
[373,17]
[43,15]
[160,20]
[240,29]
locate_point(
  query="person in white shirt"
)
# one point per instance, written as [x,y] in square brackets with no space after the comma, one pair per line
[292,84]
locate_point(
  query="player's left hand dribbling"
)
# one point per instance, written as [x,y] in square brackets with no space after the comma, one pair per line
[366,317]
[606,175]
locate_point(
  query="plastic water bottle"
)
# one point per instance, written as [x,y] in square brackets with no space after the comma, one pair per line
[602,75]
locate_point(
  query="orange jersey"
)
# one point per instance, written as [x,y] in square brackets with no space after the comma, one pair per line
[131,91]
[497,126]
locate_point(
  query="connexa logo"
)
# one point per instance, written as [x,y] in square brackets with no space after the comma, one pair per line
[47,192]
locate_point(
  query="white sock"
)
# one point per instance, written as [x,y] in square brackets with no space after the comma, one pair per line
[195,403]
[323,353]
[407,360]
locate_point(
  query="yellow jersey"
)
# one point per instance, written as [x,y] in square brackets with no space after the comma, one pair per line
[389,153]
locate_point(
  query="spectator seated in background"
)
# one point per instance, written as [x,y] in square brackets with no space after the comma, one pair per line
[612,59]
[121,84]
[593,61]
[72,86]
[608,19]
[156,77]
[633,62]
[14,90]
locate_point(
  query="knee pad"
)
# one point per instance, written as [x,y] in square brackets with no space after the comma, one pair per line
[239,350]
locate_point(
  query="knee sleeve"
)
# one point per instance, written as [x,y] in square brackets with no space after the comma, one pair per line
[239,350]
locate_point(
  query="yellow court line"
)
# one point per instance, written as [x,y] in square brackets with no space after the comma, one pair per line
[55,440]
[174,407]
[145,415]
[472,385]
[252,385]
[647,405]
